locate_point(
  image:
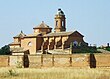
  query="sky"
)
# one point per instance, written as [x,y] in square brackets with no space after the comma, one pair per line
[90,17]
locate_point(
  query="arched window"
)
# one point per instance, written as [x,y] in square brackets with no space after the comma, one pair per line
[30,43]
[56,23]
[75,43]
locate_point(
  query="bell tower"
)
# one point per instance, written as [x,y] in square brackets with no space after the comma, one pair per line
[60,21]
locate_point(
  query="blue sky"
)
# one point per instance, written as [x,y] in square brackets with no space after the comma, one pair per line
[89,17]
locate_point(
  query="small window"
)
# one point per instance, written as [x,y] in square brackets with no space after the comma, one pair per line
[62,23]
[30,44]
[36,31]
[75,43]
[56,23]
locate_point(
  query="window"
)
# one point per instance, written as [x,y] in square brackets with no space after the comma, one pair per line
[62,23]
[56,23]
[30,44]
[37,31]
[79,43]
[75,43]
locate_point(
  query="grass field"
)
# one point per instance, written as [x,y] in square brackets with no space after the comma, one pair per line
[55,73]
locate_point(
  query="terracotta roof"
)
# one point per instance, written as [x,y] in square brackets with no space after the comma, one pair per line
[62,34]
[33,35]
[20,49]
[42,25]
[15,43]
[59,34]
[21,35]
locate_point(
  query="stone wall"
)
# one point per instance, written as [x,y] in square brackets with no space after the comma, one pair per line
[16,61]
[74,60]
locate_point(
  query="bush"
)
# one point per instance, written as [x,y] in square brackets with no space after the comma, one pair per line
[86,50]
[108,48]
[19,64]
[12,72]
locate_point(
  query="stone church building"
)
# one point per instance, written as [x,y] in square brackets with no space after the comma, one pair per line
[43,39]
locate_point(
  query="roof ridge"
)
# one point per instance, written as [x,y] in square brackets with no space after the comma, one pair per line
[21,34]
[42,25]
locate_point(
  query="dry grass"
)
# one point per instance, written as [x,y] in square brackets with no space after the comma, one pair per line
[55,73]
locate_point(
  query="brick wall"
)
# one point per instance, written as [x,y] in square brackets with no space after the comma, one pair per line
[34,60]
[4,61]
[80,60]
[102,60]
[74,60]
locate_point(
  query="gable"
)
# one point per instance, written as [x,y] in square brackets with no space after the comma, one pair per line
[77,34]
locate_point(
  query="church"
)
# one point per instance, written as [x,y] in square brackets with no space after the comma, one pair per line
[43,40]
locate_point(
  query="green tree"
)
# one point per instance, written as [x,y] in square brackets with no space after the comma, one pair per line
[5,50]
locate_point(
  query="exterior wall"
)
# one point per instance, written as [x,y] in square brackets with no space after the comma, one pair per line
[63,42]
[51,43]
[14,46]
[16,40]
[18,53]
[16,61]
[39,43]
[72,38]
[29,44]
[70,60]
[58,42]
[47,60]
[81,60]
[62,61]
[4,61]
[76,60]
[42,30]
[34,61]
[102,60]
[59,26]
[45,43]
[36,31]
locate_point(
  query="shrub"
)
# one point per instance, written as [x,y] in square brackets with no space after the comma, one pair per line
[19,64]
[108,48]
[12,72]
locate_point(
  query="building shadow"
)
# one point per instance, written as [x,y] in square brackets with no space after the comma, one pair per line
[26,61]
[92,61]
